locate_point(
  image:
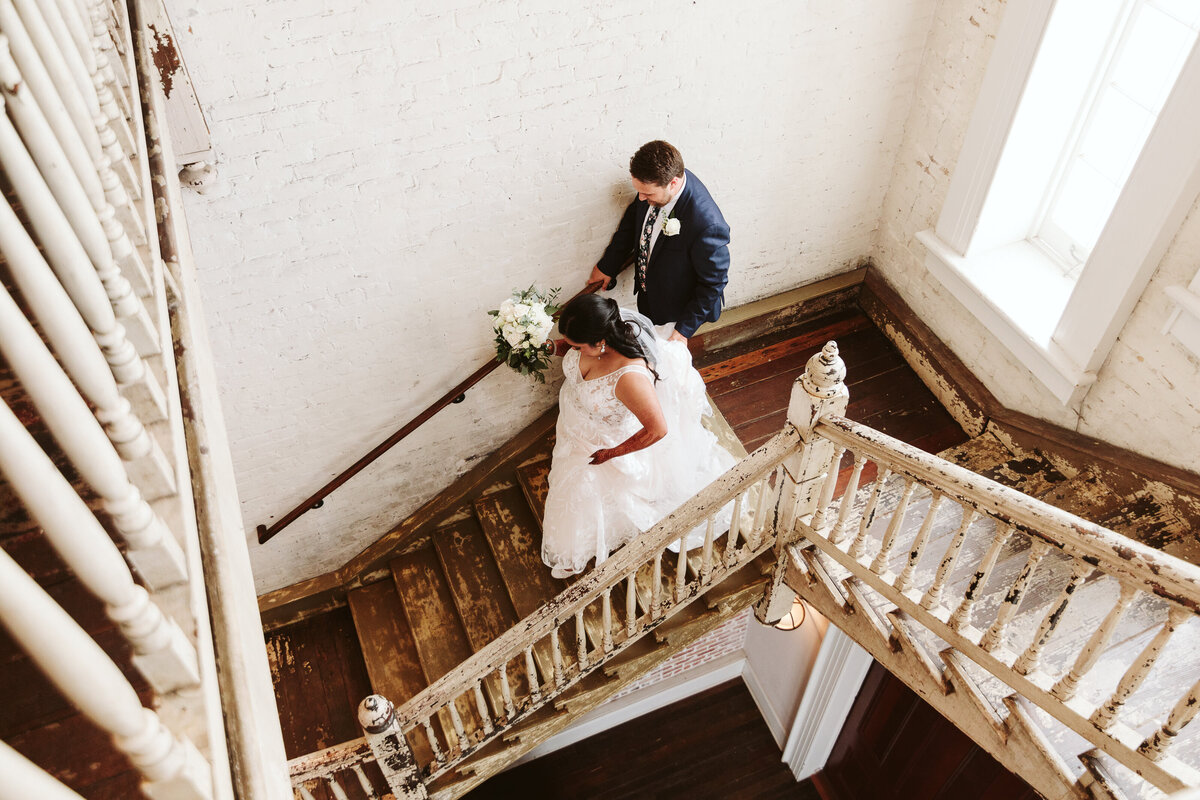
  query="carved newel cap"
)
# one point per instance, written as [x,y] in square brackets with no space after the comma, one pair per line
[375,713]
[824,373]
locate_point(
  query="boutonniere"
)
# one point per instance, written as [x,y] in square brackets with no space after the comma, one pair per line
[671,226]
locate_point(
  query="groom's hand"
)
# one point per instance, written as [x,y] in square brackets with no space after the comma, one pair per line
[600,456]
[676,336]
[598,281]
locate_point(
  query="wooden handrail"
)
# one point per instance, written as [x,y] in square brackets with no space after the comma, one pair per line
[453,396]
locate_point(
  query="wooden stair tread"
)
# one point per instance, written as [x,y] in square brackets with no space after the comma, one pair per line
[429,607]
[535,483]
[474,581]
[437,630]
[514,536]
[388,647]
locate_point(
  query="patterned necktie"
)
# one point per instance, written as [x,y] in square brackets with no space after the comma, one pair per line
[643,254]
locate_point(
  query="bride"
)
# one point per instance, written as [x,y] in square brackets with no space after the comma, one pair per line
[630,446]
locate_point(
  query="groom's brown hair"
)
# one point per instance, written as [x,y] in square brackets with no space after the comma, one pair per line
[656,162]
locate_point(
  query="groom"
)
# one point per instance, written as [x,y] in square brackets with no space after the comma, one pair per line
[677,240]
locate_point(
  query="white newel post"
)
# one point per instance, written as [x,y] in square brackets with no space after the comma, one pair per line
[386,739]
[819,392]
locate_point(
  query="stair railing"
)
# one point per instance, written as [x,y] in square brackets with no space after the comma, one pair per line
[94,329]
[1057,653]
[604,612]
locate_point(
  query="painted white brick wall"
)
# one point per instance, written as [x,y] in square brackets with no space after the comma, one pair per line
[1145,398]
[388,171]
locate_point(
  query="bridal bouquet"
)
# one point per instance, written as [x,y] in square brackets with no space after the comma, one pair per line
[523,324]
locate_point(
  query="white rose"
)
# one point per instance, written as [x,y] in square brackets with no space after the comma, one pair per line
[514,336]
[520,310]
[506,308]
[671,226]
[538,338]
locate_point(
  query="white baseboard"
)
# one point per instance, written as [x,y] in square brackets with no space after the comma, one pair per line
[643,701]
[769,714]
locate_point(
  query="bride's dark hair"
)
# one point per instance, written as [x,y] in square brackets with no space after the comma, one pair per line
[590,319]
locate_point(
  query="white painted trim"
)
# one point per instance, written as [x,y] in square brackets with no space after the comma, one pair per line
[1160,191]
[769,714]
[643,701]
[833,685]
[1017,44]
[1066,381]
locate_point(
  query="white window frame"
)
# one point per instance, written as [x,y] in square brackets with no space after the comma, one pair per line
[965,253]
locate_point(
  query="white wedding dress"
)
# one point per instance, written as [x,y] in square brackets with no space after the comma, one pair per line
[592,510]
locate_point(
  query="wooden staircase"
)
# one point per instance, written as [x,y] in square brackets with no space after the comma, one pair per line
[476,577]
[1055,759]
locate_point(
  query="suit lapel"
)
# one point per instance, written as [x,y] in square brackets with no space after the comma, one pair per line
[685,197]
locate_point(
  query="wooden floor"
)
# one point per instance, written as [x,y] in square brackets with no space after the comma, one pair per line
[710,745]
[751,382]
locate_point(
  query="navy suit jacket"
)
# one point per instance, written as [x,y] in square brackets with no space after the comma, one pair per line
[686,273]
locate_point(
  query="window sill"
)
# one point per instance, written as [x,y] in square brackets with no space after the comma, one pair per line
[1184,320]
[1019,295]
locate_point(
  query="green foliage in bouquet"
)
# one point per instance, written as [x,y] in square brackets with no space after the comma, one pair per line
[522,326]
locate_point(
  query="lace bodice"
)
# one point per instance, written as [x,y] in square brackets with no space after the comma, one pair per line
[592,413]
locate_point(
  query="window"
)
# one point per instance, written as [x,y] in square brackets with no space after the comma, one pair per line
[1150,40]
[1079,163]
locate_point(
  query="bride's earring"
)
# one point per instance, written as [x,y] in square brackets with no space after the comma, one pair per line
[601,349]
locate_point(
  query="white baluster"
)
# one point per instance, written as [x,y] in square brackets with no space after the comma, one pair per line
[83,210]
[305,794]
[67,256]
[758,523]
[934,594]
[1181,714]
[1066,686]
[918,546]
[367,789]
[460,732]
[859,546]
[581,640]
[1028,661]
[335,788]
[1012,600]
[54,60]
[606,617]
[96,372]
[438,755]
[682,570]
[706,554]
[154,550]
[731,539]
[656,587]
[962,615]
[880,564]
[107,60]
[1105,715]
[847,503]
[535,688]
[482,707]
[83,360]
[827,488]
[506,692]
[556,654]
[161,651]
[23,779]
[631,602]
[171,768]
